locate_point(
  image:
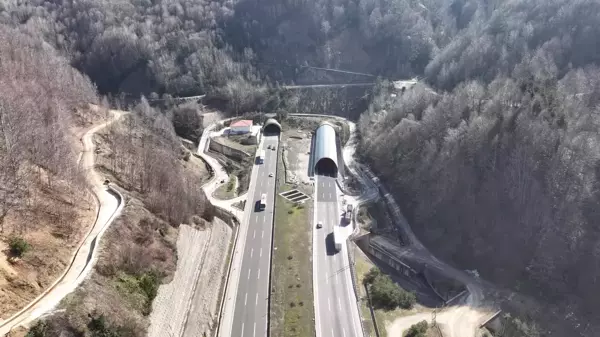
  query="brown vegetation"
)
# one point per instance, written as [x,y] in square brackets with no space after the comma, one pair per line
[43,195]
[142,154]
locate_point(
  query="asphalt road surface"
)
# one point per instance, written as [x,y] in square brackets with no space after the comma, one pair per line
[251,303]
[336,311]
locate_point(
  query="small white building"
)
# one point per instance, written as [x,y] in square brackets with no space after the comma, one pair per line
[241,126]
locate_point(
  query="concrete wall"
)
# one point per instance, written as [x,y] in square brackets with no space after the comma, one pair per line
[227,150]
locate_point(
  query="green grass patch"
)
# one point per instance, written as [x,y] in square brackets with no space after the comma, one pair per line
[363,265]
[227,190]
[291,277]
[139,290]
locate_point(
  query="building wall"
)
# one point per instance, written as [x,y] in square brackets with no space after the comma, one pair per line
[240,129]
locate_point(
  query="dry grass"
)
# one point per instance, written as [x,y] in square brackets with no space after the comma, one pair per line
[142,241]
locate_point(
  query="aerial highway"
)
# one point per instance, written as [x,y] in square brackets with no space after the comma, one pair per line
[336,310]
[251,299]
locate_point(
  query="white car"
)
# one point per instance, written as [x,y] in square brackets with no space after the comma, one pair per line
[319,225]
[271,174]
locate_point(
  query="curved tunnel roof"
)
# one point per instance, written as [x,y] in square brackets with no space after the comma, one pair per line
[272,126]
[326,150]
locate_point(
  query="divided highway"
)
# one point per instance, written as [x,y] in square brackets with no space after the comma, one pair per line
[250,318]
[336,310]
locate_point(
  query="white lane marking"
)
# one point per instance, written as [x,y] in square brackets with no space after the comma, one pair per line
[337,279]
[326,279]
[258,278]
[323,195]
[339,304]
[344,331]
[256,300]
[254,333]
[251,252]
[262,235]
[245,299]
[329,303]
[242,329]
[254,234]
[332,332]
[329,195]
[257,218]
[261,183]
[248,273]
[260,252]
[264,218]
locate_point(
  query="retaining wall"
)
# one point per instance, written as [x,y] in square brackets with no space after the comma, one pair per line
[227,150]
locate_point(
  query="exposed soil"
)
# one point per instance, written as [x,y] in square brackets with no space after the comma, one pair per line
[187,306]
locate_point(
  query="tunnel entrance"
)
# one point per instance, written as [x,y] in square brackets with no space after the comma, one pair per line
[326,167]
[272,129]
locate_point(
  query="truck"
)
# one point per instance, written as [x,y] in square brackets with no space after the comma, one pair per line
[348,213]
[263,201]
[338,239]
[261,156]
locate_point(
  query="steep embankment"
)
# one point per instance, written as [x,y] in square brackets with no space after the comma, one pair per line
[109,203]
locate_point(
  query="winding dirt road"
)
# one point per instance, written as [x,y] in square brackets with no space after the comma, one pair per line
[109,205]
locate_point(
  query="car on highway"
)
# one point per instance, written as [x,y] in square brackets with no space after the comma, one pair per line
[319,225]
[273,148]
[271,174]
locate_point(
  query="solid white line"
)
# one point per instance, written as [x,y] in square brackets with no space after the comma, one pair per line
[248,273]
[329,303]
[246,299]
[251,252]
[258,278]
[260,252]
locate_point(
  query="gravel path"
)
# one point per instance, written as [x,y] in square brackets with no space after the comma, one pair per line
[203,313]
[188,304]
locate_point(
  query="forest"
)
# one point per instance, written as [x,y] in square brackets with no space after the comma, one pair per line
[493,156]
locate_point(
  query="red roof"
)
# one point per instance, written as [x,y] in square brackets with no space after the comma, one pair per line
[241,123]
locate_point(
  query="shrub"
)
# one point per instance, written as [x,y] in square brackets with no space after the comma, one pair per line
[385,293]
[418,330]
[40,329]
[371,275]
[18,246]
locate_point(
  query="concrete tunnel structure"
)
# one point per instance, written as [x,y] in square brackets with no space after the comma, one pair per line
[272,126]
[325,151]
